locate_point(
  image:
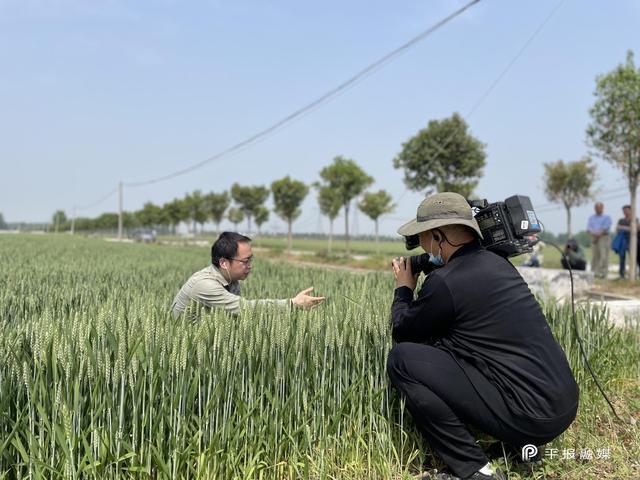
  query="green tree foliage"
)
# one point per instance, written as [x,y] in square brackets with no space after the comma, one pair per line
[3,224]
[128,220]
[569,183]
[216,205]
[261,216]
[614,131]
[347,180]
[174,213]
[330,204]
[58,220]
[375,204]
[84,224]
[150,215]
[235,216]
[248,198]
[107,222]
[194,205]
[288,195]
[444,155]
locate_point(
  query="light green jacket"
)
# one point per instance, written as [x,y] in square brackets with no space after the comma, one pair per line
[209,289]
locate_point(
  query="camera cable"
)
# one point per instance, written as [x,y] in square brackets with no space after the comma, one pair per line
[579,338]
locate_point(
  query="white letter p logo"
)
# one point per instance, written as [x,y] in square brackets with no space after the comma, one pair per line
[529,452]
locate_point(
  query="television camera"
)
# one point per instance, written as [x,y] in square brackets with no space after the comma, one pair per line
[508,229]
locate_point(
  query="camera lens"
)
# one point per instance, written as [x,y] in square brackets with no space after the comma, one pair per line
[420,263]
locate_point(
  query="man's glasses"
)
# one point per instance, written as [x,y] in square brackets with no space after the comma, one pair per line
[246,262]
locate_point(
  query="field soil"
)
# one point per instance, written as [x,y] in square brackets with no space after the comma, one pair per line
[618,287]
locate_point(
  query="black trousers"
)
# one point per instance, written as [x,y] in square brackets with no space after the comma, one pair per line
[442,402]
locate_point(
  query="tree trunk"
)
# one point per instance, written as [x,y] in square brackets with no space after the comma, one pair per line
[377,243]
[289,238]
[568,222]
[217,229]
[248,224]
[346,228]
[330,233]
[633,233]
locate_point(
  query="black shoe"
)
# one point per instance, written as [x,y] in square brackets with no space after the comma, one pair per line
[497,475]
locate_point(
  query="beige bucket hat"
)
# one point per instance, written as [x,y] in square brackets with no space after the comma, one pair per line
[446,208]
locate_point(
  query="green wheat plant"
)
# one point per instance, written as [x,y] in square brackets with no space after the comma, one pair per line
[97,380]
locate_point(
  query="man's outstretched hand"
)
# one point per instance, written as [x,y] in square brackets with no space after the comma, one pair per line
[304,300]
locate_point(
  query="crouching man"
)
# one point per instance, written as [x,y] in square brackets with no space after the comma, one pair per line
[474,348]
[218,285]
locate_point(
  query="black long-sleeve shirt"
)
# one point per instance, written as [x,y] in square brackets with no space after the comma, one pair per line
[479,309]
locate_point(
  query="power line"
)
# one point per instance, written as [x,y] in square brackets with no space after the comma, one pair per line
[605,198]
[354,80]
[517,56]
[603,195]
[97,202]
[364,73]
[500,76]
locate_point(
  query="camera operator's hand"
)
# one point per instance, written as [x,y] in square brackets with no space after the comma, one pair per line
[304,300]
[402,271]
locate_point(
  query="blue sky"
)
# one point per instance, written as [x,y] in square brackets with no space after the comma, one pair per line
[94,92]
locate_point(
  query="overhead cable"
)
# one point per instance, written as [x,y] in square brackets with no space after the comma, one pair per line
[500,76]
[331,94]
[97,202]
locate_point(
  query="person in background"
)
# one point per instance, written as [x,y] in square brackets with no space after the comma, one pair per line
[598,227]
[573,256]
[218,285]
[622,241]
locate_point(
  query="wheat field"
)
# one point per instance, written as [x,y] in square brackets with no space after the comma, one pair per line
[97,380]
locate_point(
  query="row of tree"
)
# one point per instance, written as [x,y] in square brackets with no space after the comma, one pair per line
[441,157]
[341,183]
[444,156]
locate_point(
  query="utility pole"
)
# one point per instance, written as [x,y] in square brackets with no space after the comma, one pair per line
[73,221]
[120,211]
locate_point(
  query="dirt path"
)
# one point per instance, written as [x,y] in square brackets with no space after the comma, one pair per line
[613,287]
[618,287]
[327,266]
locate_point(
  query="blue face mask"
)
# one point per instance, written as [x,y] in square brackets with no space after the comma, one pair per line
[436,260]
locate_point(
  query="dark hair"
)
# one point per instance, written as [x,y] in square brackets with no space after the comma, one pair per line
[226,246]
[626,206]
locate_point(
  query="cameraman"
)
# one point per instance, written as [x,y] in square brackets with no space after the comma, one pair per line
[474,347]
